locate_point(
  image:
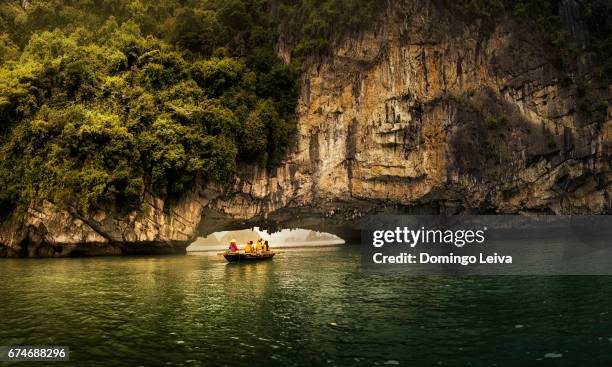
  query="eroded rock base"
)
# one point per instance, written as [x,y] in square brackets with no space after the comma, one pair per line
[46,250]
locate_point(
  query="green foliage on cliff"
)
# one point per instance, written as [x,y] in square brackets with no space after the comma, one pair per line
[101,100]
[312,25]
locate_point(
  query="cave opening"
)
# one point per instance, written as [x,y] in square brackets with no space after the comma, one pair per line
[285,238]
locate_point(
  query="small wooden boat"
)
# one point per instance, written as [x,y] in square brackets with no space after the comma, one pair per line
[242,256]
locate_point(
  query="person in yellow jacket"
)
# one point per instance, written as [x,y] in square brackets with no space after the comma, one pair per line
[249,247]
[259,246]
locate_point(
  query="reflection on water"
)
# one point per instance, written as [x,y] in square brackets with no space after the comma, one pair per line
[306,307]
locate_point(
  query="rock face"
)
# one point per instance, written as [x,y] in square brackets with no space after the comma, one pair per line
[49,231]
[403,118]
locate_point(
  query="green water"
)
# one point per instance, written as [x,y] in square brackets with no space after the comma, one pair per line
[307,307]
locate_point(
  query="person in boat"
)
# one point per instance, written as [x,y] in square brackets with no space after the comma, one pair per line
[266,246]
[259,246]
[249,247]
[232,246]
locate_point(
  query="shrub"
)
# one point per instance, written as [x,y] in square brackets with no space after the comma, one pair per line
[491,122]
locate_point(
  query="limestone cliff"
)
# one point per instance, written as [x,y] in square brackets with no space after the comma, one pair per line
[404,117]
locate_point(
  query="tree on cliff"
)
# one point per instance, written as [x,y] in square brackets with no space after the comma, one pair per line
[98,105]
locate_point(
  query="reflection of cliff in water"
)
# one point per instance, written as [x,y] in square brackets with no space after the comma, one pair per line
[284,238]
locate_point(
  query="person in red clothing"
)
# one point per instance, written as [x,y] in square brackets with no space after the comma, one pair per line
[232,246]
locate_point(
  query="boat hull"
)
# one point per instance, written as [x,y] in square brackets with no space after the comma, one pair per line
[242,257]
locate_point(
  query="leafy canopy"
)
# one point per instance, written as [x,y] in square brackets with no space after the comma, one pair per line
[101,100]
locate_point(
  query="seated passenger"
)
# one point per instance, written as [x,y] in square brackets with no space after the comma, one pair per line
[266,246]
[232,246]
[249,247]
[259,246]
